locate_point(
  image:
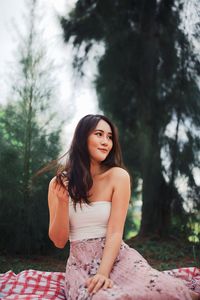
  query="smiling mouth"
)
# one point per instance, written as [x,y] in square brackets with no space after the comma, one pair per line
[103,150]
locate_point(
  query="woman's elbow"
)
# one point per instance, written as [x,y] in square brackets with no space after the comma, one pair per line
[59,243]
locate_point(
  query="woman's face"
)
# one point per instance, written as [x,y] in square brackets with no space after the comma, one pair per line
[100,141]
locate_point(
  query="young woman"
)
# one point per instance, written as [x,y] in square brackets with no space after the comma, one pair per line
[88,203]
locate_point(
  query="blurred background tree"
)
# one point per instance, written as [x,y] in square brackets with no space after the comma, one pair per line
[28,141]
[148,83]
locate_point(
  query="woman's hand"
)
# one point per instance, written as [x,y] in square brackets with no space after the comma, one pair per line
[59,190]
[97,282]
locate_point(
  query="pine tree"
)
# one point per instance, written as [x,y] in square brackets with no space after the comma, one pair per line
[147,80]
[28,143]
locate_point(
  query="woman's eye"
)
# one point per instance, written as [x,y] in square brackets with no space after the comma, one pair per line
[98,133]
[110,137]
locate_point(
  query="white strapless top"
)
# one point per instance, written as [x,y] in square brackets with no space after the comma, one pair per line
[88,221]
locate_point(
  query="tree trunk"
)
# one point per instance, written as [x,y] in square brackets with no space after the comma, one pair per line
[155,193]
[27,149]
[26,205]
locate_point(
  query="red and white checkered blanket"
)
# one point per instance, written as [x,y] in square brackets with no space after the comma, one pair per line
[32,284]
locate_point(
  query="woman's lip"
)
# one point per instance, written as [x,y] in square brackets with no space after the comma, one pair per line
[103,150]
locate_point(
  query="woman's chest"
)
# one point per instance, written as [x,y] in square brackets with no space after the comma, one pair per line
[101,190]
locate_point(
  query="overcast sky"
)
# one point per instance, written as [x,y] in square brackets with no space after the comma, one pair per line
[80,96]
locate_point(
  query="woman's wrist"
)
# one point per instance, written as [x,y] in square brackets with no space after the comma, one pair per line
[103,272]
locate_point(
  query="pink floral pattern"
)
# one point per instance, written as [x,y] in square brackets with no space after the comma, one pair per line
[133,277]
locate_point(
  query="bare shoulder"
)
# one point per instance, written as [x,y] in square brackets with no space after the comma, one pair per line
[121,185]
[118,173]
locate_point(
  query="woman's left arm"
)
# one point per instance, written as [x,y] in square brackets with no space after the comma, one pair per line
[120,202]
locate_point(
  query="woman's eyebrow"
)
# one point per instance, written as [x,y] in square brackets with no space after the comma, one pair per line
[102,131]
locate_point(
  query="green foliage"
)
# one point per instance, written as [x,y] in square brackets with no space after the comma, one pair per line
[162,255]
[147,81]
[27,144]
[167,254]
[24,224]
[129,225]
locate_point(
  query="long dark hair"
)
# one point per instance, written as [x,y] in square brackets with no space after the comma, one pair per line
[77,168]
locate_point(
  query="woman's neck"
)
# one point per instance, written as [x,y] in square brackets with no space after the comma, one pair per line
[96,169]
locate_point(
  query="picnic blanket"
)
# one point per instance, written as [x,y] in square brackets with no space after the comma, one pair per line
[33,284]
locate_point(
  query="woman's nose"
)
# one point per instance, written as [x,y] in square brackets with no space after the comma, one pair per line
[104,141]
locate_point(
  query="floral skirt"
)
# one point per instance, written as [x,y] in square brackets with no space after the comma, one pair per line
[133,277]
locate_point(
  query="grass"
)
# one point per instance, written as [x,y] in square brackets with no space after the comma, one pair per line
[167,254]
[162,255]
[20,263]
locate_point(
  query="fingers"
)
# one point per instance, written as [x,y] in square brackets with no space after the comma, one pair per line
[97,282]
[59,190]
[88,281]
[91,284]
[108,284]
[54,184]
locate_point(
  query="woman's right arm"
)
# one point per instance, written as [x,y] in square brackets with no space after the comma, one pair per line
[58,214]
